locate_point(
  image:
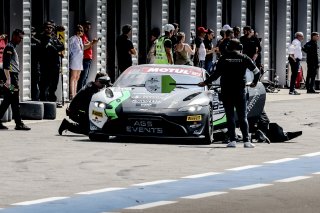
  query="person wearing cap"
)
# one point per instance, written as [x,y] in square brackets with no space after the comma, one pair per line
[312,50]
[78,110]
[125,48]
[11,89]
[87,54]
[164,54]
[200,53]
[232,67]
[50,48]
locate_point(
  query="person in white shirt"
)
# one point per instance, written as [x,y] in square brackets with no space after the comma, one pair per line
[295,56]
[200,51]
[75,59]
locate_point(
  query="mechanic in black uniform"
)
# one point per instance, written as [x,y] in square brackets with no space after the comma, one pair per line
[311,48]
[232,69]
[79,106]
[11,81]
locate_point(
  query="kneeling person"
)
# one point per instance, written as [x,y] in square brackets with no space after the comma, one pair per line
[79,106]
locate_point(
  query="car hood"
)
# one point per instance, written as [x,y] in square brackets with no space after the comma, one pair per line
[139,97]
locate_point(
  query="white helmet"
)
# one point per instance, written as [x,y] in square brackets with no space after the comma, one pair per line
[168,28]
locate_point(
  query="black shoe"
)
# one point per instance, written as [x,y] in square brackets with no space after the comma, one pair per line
[291,135]
[294,92]
[3,126]
[63,126]
[312,91]
[22,126]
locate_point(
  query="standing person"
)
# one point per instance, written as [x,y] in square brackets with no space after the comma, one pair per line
[125,48]
[295,56]
[183,50]
[236,32]
[11,86]
[35,69]
[200,53]
[50,47]
[78,111]
[174,39]
[311,48]
[210,50]
[251,44]
[223,45]
[164,53]
[151,57]
[75,60]
[87,54]
[232,68]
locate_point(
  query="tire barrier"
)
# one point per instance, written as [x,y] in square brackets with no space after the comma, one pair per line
[7,117]
[31,110]
[50,110]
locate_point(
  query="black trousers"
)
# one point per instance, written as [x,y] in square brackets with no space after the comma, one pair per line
[236,100]
[11,98]
[49,79]
[295,65]
[311,76]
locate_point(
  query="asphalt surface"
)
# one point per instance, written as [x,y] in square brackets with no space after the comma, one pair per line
[40,164]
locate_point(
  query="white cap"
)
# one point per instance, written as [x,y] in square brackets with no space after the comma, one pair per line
[168,28]
[226,27]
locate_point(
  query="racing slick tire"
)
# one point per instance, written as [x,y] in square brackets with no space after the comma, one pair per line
[50,110]
[98,137]
[208,131]
[31,110]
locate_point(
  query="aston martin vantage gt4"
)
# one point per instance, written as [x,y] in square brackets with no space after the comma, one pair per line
[163,101]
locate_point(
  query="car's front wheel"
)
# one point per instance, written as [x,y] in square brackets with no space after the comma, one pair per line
[98,137]
[208,131]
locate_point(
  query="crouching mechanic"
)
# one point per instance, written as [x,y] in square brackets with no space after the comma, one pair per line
[232,68]
[79,106]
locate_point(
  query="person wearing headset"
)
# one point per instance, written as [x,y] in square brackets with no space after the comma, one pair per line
[232,68]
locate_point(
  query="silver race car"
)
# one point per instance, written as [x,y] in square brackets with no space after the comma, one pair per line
[163,101]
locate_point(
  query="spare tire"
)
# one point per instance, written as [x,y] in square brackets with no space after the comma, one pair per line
[50,110]
[31,110]
[6,117]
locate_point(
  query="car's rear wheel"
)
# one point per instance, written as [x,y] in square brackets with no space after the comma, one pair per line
[208,131]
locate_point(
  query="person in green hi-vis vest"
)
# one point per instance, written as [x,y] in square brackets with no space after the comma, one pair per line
[164,53]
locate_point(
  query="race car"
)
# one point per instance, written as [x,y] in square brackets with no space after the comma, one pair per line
[163,101]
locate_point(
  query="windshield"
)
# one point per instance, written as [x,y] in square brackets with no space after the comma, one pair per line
[136,77]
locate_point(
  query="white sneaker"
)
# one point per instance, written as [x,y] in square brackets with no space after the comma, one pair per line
[232,144]
[248,145]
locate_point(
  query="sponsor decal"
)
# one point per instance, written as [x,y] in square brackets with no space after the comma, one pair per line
[96,113]
[143,127]
[181,71]
[194,118]
[111,113]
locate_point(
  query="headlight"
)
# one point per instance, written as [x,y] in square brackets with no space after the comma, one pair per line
[193,108]
[109,93]
[99,104]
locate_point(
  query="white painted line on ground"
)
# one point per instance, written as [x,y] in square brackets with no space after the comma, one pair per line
[154,182]
[316,173]
[151,205]
[253,186]
[311,154]
[244,167]
[99,191]
[203,195]
[202,175]
[282,160]
[292,179]
[26,203]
